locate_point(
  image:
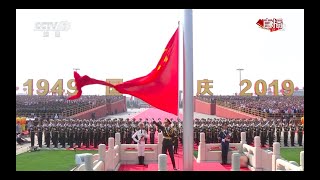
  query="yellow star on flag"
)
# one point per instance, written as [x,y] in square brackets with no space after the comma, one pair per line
[166,59]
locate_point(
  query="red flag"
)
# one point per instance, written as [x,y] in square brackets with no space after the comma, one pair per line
[83,81]
[159,88]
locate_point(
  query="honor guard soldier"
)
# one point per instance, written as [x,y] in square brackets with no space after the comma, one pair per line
[123,133]
[128,134]
[62,134]
[270,136]
[95,136]
[159,122]
[216,134]
[79,136]
[209,134]
[278,133]
[175,140]
[47,136]
[40,134]
[250,134]
[180,132]
[196,134]
[32,130]
[152,133]
[300,134]
[181,135]
[246,130]
[71,135]
[224,137]
[87,136]
[67,125]
[286,130]
[263,136]
[167,144]
[292,134]
[108,127]
[258,130]
[91,127]
[83,134]
[139,137]
[102,134]
[55,135]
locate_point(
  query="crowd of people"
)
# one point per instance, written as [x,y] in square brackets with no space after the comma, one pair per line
[267,104]
[52,105]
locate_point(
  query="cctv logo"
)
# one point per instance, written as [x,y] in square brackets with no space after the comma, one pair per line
[56,27]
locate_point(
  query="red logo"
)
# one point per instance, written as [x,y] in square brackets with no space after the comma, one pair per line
[270,24]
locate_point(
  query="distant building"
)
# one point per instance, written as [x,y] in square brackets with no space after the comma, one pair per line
[299,92]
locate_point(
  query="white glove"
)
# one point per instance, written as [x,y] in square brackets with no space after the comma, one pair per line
[223,140]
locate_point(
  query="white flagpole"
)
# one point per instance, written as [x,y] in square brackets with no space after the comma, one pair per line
[178,117]
[188,91]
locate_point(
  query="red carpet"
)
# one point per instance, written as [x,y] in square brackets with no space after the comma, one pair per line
[204,166]
[156,113]
[228,167]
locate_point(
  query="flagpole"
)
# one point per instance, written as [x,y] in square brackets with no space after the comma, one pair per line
[178,83]
[188,92]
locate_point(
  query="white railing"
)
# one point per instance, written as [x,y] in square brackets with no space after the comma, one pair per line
[212,151]
[109,160]
[99,166]
[258,159]
[284,165]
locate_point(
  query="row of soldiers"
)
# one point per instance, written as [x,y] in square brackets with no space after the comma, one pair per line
[88,132]
[93,132]
[268,130]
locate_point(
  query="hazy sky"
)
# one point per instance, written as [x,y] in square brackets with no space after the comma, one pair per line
[127,44]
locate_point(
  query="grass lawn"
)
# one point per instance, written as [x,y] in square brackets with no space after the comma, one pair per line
[46,160]
[290,154]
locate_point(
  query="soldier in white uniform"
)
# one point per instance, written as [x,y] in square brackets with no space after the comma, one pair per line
[139,137]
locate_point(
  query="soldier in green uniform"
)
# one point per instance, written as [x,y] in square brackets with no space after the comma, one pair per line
[95,136]
[300,133]
[263,137]
[102,134]
[270,136]
[152,133]
[286,130]
[292,134]
[167,144]
[71,134]
[47,136]
[278,133]
[175,139]
[32,130]
[40,134]
[86,139]
[55,135]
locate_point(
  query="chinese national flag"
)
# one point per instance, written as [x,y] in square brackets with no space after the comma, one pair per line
[159,88]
